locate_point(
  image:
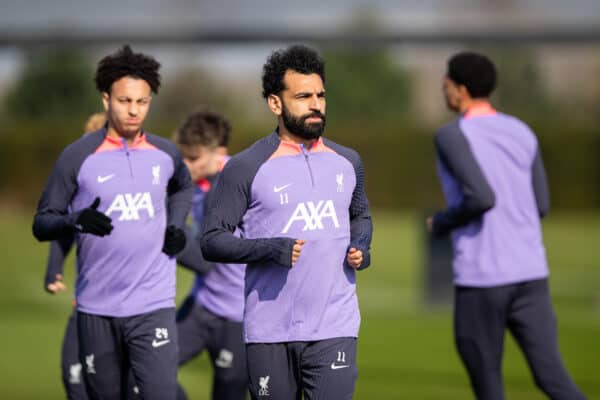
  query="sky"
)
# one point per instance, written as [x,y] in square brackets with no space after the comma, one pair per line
[158,17]
[136,15]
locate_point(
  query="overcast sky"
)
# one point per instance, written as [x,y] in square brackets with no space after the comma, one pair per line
[30,17]
[128,15]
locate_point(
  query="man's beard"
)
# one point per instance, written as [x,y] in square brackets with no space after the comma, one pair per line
[298,126]
[122,129]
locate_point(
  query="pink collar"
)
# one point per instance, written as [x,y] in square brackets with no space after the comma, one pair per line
[480,110]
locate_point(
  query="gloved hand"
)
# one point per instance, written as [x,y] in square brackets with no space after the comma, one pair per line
[89,220]
[174,240]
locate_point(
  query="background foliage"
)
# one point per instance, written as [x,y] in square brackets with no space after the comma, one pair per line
[370,107]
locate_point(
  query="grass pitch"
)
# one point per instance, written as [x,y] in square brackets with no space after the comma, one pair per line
[406,348]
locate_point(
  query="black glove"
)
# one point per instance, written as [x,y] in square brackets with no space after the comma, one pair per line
[174,240]
[89,220]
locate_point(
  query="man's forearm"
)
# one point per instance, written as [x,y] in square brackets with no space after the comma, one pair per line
[361,234]
[224,246]
[191,256]
[52,226]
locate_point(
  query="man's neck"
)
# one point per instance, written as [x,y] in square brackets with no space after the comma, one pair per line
[287,136]
[111,132]
[474,103]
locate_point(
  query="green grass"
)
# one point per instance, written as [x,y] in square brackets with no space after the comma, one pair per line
[405,348]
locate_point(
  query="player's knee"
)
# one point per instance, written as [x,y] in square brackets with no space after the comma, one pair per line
[469,352]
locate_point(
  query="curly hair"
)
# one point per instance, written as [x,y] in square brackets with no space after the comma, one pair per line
[203,127]
[475,71]
[297,58]
[127,63]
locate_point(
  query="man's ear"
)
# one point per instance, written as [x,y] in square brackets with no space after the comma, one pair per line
[105,100]
[275,104]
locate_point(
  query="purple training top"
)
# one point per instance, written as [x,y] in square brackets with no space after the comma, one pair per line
[486,157]
[142,188]
[276,192]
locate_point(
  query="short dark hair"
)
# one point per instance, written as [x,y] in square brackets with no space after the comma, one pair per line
[475,71]
[205,128]
[125,62]
[297,58]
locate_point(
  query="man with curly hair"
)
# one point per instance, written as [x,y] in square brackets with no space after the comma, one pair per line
[125,194]
[299,202]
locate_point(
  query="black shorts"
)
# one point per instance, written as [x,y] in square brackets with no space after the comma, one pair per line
[146,344]
[324,369]
[198,330]
[72,374]
[481,317]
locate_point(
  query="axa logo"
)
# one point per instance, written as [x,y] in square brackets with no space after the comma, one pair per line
[131,205]
[313,215]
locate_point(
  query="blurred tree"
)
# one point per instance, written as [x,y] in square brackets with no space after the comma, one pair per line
[193,87]
[54,83]
[521,88]
[180,93]
[369,108]
[43,111]
[366,85]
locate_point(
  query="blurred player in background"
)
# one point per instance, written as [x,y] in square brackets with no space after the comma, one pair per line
[95,122]
[211,316]
[491,171]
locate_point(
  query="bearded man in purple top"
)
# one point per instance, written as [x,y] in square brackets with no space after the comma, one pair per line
[125,194]
[299,204]
[493,178]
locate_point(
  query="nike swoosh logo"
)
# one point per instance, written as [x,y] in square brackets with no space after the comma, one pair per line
[279,189]
[102,179]
[333,366]
[158,343]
